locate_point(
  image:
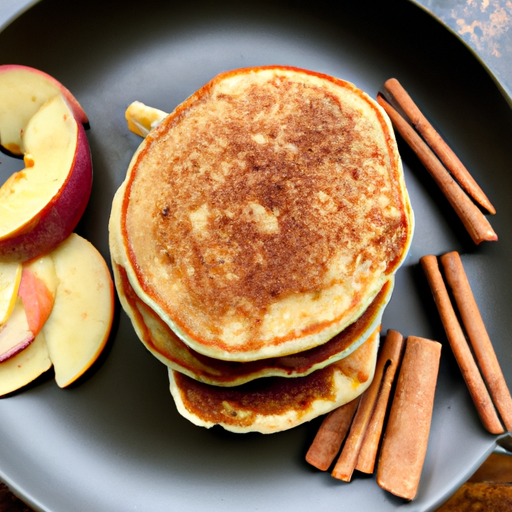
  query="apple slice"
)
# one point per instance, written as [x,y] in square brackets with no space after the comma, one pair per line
[10,277]
[24,367]
[15,334]
[78,328]
[32,307]
[41,205]
[37,300]
[23,90]
[141,119]
[44,269]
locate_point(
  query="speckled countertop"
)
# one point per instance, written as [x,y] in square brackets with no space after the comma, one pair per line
[486,27]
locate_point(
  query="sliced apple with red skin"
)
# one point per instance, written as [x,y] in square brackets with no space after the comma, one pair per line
[15,334]
[10,277]
[32,308]
[37,300]
[44,269]
[23,90]
[24,367]
[78,328]
[41,205]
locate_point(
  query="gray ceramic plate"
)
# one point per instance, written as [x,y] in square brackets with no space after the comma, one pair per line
[115,441]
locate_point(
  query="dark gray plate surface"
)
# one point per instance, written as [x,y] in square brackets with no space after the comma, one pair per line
[115,442]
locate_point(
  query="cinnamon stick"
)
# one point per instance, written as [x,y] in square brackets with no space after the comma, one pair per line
[475,328]
[472,218]
[460,348]
[330,436]
[406,438]
[399,95]
[347,460]
[372,438]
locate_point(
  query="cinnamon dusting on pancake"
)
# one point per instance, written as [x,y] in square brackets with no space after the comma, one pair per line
[264,193]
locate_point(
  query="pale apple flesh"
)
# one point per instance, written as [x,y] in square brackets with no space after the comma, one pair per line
[78,328]
[15,334]
[10,277]
[23,90]
[24,367]
[41,205]
[32,307]
[44,269]
[141,119]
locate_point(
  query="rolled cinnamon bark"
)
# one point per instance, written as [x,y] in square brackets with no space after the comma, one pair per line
[330,436]
[347,460]
[475,328]
[404,446]
[369,448]
[470,215]
[401,97]
[460,347]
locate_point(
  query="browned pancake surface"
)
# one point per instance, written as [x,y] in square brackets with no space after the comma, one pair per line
[256,193]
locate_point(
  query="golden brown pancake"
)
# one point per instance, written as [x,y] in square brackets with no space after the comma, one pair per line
[263,215]
[161,341]
[274,404]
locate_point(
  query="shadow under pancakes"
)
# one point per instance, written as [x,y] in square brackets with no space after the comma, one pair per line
[90,50]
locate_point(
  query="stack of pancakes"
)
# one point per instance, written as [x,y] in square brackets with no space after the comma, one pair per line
[255,241]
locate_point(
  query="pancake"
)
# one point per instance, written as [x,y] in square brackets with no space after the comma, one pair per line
[161,341]
[275,404]
[264,215]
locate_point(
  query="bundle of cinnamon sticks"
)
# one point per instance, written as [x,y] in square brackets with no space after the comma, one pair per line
[358,425]
[355,430]
[445,167]
[478,363]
